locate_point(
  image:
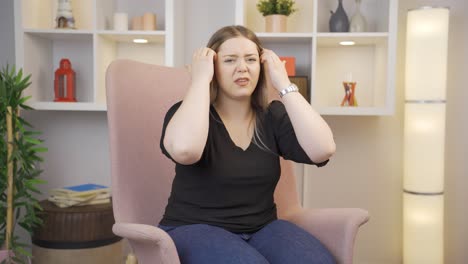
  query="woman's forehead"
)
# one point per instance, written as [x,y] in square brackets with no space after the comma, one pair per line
[238,45]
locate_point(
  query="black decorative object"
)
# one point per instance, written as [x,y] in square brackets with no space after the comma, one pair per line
[339,20]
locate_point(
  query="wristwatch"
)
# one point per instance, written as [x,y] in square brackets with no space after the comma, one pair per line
[291,88]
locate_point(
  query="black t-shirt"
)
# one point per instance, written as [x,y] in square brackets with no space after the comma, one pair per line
[230,187]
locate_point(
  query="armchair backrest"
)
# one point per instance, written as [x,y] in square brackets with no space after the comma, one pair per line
[138,97]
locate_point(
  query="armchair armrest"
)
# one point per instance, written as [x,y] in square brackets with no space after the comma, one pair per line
[336,228]
[149,243]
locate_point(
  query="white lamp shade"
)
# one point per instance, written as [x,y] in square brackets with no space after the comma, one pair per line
[423,235]
[426,54]
[424,140]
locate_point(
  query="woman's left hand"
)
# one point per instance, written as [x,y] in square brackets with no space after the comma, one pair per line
[275,71]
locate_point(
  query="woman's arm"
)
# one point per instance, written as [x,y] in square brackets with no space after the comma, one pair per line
[187,131]
[312,132]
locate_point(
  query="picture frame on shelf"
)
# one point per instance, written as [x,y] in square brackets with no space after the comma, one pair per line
[302,83]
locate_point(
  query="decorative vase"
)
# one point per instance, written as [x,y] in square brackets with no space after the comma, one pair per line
[149,21]
[339,20]
[358,21]
[350,98]
[64,16]
[275,23]
[121,21]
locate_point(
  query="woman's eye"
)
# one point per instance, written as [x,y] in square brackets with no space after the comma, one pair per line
[252,59]
[229,60]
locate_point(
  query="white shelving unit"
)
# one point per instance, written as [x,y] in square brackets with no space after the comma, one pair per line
[91,47]
[370,62]
[184,25]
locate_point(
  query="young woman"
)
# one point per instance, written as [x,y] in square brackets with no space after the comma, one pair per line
[226,141]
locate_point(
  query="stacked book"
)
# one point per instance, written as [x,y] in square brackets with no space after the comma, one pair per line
[79,195]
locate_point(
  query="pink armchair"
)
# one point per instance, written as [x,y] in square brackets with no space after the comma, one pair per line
[138,96]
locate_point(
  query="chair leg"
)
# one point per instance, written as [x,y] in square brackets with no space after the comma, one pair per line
[131,259]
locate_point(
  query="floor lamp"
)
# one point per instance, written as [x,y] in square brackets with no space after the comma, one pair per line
[424,135]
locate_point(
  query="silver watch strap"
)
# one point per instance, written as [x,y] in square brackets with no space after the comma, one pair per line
[291,88]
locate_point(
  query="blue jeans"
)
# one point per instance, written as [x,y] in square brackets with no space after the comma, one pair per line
[278,242]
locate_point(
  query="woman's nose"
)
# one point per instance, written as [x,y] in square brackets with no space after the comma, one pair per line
[241,66]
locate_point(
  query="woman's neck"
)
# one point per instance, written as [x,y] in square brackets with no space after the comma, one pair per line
[235,110]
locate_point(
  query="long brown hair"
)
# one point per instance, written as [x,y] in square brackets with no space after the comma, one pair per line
[259,96]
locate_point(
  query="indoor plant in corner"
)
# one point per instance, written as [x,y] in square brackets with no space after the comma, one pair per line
[19,171]
[276,13]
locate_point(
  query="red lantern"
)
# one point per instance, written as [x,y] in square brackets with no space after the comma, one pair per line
[64,83]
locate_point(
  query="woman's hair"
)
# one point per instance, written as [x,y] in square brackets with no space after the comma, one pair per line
[259,98]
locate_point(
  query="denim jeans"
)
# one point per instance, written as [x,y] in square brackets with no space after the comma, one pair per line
[279,242]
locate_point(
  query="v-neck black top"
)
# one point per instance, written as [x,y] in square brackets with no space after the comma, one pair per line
[230,187]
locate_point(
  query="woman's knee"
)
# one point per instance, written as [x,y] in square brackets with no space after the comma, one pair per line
[284,242]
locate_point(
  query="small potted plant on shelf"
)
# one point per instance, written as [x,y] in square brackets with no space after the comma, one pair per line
[276,13]
[19,171]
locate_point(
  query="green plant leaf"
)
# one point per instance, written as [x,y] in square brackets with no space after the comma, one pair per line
[25,156]
[39,149]
[19,76]
[24,99]
[276,7]
[26,107]
[23,252]
[32,140]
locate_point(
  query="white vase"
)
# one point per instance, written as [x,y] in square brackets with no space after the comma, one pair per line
[358,21]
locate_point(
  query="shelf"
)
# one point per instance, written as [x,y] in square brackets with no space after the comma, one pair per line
[106,9]
[353,111]
[112,46]
[366,64]
[182,26]
[78,106]
[298,22]
[376,13]
[41,14]
[129,36]
[60,34]
[286,37]
[42,54]
[301,50]
[360,39]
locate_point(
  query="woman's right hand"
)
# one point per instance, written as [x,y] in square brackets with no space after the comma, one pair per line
[202,68]
[187,131]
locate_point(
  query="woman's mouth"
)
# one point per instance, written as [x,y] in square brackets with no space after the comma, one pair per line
[242,81]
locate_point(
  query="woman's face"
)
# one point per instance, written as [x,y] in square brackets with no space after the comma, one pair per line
[237,68]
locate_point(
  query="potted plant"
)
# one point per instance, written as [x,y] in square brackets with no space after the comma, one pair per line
[276,13]
[19,171]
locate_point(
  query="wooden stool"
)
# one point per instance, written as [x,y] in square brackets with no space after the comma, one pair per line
[81,234]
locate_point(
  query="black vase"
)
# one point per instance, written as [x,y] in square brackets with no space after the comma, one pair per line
[339,20]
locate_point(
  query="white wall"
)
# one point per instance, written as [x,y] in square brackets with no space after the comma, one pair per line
[365,172]
[7,33]
[367,169]
[456,181]
[77,147]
